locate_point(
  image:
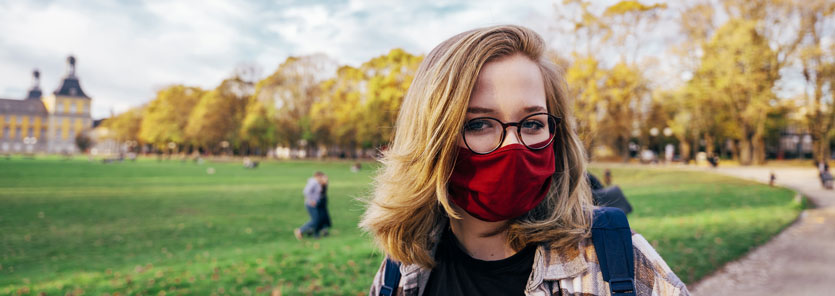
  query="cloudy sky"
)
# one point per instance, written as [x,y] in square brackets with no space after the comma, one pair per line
[128,49]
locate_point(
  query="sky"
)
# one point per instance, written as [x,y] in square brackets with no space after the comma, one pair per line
[126,50]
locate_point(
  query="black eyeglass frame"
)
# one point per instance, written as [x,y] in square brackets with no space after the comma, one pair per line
[518,126]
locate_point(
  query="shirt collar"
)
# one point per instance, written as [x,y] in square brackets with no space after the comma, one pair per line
[554,265]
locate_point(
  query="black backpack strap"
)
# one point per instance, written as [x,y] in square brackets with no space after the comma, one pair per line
[612,240]
[391,278]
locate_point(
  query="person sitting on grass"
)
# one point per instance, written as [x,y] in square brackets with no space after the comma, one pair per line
[483,189]
[313,193]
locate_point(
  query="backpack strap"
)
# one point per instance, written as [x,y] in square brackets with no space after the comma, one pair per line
[612,240]
[391,278]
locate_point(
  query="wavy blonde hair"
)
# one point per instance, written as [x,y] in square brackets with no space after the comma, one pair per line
[410,193]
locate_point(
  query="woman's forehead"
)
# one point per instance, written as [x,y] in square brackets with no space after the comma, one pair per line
[508,86]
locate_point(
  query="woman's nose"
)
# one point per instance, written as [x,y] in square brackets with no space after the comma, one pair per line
[511,137]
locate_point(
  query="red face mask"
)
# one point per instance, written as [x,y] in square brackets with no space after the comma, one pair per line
[502,185]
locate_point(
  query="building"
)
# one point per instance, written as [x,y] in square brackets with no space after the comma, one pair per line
[49,123]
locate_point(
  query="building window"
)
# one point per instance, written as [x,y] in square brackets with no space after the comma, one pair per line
[57,134]
[59,107]
[32,120]
[31,132]
[43,133]
[19,119]
[72,108]
[6,133]
[17,134]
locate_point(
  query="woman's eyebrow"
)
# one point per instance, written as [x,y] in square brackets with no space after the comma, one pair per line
[480,110]
[533,109]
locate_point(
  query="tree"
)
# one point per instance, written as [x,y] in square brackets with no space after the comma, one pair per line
[388,78]
[626,22]
[165,118]
[608,100]
[584,78]
[818,65]
[218,115]
[83,141]
[291,91]
[258,128]
[336,114]
[743,86]
[125,126]
[358,107]
[680,123]
[695,102]
[625,91]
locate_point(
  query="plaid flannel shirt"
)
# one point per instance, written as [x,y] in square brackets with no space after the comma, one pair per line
[564,273]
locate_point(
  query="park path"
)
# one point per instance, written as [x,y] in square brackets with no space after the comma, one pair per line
[798,261]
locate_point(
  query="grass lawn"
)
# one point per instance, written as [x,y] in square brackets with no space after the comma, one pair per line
[148,227]
[699,221]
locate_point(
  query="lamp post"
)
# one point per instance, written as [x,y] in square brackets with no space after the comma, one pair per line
[668,149]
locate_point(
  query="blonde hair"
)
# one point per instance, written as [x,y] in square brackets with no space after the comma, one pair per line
[410,190]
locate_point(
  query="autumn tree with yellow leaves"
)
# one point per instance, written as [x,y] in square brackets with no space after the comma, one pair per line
[165,118]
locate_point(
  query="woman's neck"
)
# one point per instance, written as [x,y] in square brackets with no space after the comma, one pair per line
[470,233]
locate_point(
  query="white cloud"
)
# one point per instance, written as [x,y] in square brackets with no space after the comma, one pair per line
[125,51]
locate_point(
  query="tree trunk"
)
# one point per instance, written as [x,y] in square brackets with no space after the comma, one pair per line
[684,149]
[709,145]
[759,150]
[734,149]
[623,143]
[758,142]
[820,147]
[745,155]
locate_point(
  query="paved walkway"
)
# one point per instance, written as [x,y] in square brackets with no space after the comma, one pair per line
[798,261]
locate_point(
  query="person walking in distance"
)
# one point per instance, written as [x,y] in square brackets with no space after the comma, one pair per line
[313,193]
[324,223]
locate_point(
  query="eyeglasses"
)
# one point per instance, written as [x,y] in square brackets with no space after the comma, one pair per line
[483,135]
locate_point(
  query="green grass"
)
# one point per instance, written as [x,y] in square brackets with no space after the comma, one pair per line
[699,221]
[148,227]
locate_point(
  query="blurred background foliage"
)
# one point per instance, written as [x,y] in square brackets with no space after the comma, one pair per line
[733,57]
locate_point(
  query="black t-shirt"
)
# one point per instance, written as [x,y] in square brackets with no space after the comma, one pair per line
[456,273]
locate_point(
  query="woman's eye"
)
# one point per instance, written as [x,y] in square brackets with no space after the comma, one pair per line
[532,125]
[477,125]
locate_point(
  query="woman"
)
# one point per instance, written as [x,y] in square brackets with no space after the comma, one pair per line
[483,190]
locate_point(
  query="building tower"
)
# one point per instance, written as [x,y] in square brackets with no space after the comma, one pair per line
[23,122]
[69,112]
[35,92]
